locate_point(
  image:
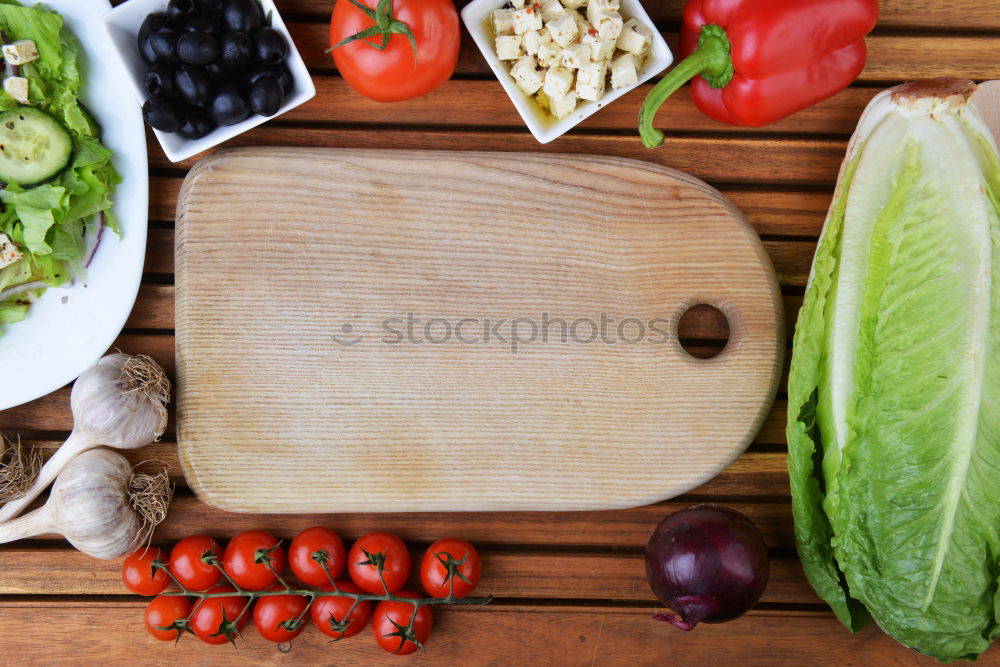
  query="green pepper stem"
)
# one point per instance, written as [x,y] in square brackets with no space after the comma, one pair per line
[711,60]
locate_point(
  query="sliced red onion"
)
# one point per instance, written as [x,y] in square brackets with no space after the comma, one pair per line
[97,240]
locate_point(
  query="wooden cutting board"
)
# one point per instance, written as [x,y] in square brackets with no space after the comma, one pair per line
[302,387]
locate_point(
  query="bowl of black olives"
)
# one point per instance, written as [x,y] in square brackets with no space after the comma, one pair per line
[207,70]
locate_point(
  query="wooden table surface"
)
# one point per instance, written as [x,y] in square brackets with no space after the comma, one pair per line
[569,587]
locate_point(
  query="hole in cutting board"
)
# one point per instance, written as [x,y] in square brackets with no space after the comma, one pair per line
[703,331]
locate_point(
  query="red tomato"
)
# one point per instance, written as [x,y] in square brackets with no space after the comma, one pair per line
[391,625]
[214,622]
[396,73]
[162,611]
[310,541]
[376,551]
[450,567]
[187,562]
[330,614]
[240,559]
[138,574]
[272,611]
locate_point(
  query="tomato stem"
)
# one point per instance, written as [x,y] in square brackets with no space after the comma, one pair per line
[385,26]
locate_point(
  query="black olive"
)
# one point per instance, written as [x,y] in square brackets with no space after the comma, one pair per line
[197,48]
[208,5]
[266,96]
[204,23]
[242,15]
[164,45]
[269,46]
[280,72]
[194,84]
[150,24]
[161,114]
[195,123]
[235,50]
[216,71]
[180,11]
[159,81]
[228,107]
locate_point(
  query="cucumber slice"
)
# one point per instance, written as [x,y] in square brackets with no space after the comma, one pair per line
[33,146]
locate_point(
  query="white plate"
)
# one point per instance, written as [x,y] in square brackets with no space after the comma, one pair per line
[68,329]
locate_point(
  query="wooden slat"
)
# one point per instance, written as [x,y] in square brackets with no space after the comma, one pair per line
[484,103]
[714,159]
[890,57]
[495,635]
[58,570]
[937,14]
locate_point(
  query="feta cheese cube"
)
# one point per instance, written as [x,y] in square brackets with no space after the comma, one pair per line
[509,47]
[596,6]
[534,39]
[558,82]
[20,52]
[563,106]
[582,25]
[8,252]
[608,24]
[16,87]
[552,9]
[623,70]
[549,54]
[600,49]
[635,37]
[527,19]
[503,22]
[563,30]
[575,56]
[590,80]
[527,75]
[573,4]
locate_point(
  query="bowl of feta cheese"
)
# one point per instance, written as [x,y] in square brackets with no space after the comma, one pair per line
[561,61]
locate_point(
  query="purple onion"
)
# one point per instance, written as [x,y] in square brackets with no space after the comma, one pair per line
[707,563]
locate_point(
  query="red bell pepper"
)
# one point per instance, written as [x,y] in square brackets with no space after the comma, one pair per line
[761,60]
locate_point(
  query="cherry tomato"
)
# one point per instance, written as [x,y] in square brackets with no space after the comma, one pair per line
[272,611]
[391,625]
[330,614]
[396,73]
[207,620]
[240,559]
[450,556]
[162,611]
[308,542]
[187,562]
[375,549]
[138,574]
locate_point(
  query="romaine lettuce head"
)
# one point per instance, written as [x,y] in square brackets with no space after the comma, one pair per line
[894,390]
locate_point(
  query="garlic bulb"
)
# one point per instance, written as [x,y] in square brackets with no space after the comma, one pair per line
[120,402]
[99,505]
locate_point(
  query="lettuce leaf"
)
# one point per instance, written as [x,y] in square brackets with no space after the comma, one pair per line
[50,221]
[894,389]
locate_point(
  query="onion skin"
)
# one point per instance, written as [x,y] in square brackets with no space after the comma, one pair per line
[707,563]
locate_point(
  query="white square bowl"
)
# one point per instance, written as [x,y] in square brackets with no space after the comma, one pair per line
[122,25]
[477,18]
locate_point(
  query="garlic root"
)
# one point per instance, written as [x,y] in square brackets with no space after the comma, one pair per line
[18,468]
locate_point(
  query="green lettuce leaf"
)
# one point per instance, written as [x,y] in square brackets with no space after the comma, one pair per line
[894,389]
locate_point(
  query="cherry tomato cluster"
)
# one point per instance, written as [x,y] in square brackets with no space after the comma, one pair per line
[252,569]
